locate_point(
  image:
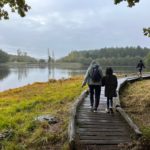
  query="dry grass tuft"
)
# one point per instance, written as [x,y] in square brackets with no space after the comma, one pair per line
[135,99]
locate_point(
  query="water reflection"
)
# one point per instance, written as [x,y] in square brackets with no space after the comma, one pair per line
[22,72]
[20,75]
[51,71]
[77,72]
[4,72]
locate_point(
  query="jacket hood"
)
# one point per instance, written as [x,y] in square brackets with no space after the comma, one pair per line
[93,62]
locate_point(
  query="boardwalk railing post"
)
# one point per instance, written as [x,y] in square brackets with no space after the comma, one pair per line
[72,124]
[132,125]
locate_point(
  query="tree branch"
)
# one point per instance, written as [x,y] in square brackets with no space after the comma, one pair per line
[130,2]
[18,6]
[146,31]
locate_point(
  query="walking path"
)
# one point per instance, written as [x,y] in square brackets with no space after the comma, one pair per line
[100,130]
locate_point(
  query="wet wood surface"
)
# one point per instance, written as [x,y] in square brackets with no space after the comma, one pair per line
[100,130]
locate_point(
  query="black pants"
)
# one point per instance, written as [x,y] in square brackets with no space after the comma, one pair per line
[140,71]
[109,101]
[95,91]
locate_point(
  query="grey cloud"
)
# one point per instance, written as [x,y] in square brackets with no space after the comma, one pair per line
[67,25]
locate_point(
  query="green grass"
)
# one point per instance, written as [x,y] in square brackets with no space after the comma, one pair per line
[19,108]
[135,99]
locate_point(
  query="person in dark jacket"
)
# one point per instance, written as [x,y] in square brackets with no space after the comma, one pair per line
[110,83]
[140,67]
[94,85]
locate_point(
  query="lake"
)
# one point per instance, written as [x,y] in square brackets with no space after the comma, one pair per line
[20,75]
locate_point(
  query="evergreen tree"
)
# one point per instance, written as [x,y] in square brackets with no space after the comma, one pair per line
[147,60]
[127,56]
[4,57]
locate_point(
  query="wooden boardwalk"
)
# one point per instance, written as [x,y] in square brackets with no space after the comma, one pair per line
[100,130]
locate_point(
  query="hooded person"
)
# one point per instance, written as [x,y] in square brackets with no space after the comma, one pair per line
[110,83]
[93,78]
[140,67]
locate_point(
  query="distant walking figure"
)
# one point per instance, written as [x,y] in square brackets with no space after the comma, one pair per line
[140,67]
[93,78]
[110,83]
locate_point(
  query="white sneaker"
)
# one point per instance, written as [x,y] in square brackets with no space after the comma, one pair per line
[95,110]
[107,110]
[92,108]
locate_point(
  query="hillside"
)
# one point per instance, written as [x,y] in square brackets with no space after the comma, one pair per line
[15,58]
[109,56]
[5,57]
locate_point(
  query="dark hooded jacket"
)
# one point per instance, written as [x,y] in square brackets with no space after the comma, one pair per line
[110,83]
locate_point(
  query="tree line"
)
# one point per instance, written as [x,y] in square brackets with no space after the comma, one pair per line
[20,57]
[4,57]
[119,56]
[128,56]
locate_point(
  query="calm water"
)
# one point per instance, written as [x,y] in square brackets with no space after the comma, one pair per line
[19,76]
[12,77]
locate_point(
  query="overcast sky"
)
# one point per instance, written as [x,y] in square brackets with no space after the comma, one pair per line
[66,25]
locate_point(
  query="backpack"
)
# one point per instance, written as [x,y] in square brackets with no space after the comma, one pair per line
[96,76]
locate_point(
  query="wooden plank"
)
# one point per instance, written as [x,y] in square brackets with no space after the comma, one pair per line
[101,118]
[87,121]
[101,130]
[104,126]
[103,133]
[100,115]
[100,121]
[114,138]
[104,142]
[98,147]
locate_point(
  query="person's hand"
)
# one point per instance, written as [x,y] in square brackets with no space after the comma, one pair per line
[83,84]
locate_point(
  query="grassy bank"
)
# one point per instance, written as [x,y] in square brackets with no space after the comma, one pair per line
[135,99]
[19,108]
[63,65]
